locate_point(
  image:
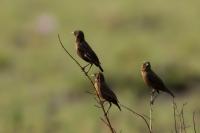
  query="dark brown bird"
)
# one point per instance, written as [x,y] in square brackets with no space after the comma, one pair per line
[152,80]
[85,51]
[104,90]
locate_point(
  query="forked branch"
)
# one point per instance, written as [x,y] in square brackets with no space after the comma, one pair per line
[139,115]
[107,120]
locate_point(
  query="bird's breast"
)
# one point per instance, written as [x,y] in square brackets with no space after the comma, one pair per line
[76,46]
[145,78]
[97,88]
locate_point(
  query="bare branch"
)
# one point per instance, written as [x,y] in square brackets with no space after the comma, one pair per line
[194,125]
[106,123]
[88,77]
[70,54]
[180,124]
[150,111]
[141,116]
[182,116]
[91,93]
[97,106]
[174,109]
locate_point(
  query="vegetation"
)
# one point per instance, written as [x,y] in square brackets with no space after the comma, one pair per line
[42,90]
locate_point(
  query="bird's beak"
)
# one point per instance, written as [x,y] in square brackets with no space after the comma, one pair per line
[72,32]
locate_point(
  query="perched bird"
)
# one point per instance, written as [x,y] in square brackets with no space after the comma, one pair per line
[104,90]
[85,51]
[152,80]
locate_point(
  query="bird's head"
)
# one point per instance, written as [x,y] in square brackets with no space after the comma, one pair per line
[146,66]
[98,76]
[78,34]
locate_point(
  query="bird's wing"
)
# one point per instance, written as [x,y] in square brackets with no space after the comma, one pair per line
[89,53]
[156,81]
[107,93]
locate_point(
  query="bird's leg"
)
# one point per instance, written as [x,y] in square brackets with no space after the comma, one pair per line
[110,104]
[83,68]
[89,68]
[152,96]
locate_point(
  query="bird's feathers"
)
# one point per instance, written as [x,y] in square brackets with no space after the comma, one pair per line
[85,51]
[105,92]
[153,80]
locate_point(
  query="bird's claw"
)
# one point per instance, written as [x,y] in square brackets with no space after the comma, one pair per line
[152,102]
[106,113]
[83,68]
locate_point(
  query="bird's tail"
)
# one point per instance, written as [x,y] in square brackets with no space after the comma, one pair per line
[168,91]
[100,68]
[118,106]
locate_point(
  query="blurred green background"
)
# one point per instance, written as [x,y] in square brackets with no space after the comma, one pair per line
[43,91]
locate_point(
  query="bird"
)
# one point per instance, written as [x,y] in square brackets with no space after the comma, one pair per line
[152,80]
[104,91]
[85,52]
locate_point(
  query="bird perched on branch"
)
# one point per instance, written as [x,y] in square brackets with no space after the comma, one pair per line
[152,80]
[85,51]
[104,90]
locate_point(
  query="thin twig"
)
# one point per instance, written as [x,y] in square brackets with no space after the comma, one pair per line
[88,77]
[96,100]
[174,109]
[91,93]
[181,125]
[104,121]
[141,116]
[150,112]
[182,116]
[194,125]
[97,106]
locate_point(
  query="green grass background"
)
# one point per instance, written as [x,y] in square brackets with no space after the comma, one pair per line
[43,91]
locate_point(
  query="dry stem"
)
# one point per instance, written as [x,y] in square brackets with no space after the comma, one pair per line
[182,116]
[174,109]
[141,116]
[194,125]
[150,112]
[108,123]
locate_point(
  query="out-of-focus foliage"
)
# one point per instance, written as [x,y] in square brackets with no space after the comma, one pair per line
[42,90]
